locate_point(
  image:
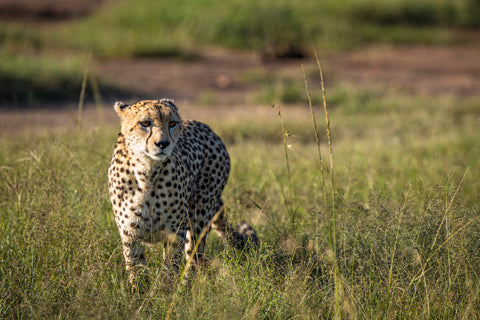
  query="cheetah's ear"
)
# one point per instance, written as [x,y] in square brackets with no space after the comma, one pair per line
[170,103]
[119,106]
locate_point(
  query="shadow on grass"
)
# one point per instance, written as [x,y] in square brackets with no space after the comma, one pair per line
[25,91]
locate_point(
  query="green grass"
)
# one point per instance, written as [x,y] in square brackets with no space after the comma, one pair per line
[41,62]
[146,27]
[31,78]
[407,243]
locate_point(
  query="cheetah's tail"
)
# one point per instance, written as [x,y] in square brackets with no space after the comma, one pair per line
[243,237]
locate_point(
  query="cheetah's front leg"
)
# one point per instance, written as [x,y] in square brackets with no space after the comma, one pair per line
[134,254]
[196,255]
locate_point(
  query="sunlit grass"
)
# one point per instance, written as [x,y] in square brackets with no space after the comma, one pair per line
[405,198]
[406,218]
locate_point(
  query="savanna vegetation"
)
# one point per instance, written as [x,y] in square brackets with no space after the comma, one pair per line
[37,60]
[386,228]
[369,212]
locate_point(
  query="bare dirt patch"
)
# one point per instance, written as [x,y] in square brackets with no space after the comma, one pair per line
[422,70]
[215,72]
[425,70]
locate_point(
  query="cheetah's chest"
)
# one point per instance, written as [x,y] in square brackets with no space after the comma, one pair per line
[153,204]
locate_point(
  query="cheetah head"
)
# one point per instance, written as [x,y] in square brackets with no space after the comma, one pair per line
[150,127]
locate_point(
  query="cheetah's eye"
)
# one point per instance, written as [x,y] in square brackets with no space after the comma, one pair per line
[172,124]
[145,124]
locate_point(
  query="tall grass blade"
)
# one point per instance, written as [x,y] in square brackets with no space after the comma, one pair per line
[314,120]
[339,294]
[327,120]
[285,146]
[448,209]
[390,271]
[423,269]
[288,202]
[183,274]
[82,92]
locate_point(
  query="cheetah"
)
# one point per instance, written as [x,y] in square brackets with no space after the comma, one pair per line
[165,180]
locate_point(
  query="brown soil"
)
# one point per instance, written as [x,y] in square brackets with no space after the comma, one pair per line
[215,76]
[424,70]
[220,74]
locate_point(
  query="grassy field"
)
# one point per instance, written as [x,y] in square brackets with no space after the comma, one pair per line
[45,61]
[394,235]
[157,28]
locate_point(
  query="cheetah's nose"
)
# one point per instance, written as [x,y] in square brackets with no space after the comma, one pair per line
[162,144]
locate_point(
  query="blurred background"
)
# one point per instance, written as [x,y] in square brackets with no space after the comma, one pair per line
[240,52]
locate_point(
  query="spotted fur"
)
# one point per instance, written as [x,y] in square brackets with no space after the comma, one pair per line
[166,178]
